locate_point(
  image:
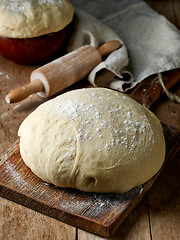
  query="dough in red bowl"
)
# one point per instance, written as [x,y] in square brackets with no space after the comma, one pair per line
[35,31]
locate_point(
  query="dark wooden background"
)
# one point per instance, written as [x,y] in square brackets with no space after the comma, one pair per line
[157,217]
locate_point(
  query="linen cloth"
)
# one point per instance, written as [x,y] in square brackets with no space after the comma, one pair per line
[150,43]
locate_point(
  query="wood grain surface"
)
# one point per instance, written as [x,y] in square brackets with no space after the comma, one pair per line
[156,216]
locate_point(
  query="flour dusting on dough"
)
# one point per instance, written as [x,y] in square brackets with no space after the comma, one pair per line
[95,140]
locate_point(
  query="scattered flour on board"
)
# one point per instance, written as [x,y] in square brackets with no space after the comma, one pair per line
[95,202]
[3,75]
[16,176]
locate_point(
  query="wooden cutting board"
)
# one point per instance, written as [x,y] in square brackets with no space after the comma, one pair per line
[101,214]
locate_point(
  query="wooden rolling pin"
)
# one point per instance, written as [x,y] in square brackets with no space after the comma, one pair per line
[63,72]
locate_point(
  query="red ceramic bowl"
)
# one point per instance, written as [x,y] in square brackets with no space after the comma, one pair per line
[37,50]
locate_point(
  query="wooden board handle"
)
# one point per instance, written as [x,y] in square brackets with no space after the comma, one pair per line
[109,47]
[149,90]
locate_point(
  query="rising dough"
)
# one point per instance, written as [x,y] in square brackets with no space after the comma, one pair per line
[32,18]
[95,140]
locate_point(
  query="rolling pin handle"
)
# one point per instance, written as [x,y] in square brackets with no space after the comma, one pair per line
[36,85]
[23,92]
[108,47]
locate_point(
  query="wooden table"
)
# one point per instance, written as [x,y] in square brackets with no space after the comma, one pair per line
[158,214]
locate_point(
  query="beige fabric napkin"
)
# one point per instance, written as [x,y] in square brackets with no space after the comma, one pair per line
[91,31]
[150,43]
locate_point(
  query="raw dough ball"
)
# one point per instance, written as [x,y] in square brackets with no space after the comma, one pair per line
[32,18]
[95,140]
